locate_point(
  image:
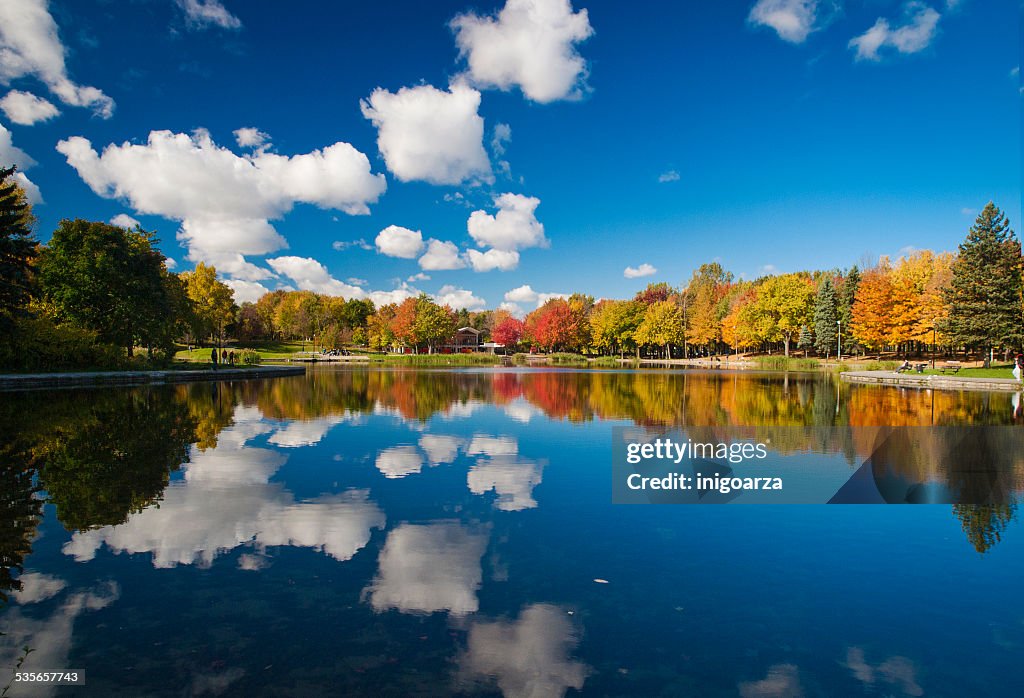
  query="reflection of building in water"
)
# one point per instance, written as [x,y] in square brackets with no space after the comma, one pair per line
[428,568]
[226,500]
[527,657]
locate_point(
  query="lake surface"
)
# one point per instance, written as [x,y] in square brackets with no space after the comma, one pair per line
[418,532]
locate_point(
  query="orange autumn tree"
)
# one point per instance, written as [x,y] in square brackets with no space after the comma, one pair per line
[871,323]
[403,323]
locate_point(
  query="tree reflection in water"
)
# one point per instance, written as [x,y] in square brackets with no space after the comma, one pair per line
[102,455]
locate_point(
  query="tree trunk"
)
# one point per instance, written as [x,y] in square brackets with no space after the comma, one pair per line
[786,343]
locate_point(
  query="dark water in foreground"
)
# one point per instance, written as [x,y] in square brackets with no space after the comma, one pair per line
[415,533]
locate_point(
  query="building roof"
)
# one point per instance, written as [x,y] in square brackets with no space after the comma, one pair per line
[463,329]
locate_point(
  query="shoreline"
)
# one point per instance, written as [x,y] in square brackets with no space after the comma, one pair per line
[931,382]
[37,381]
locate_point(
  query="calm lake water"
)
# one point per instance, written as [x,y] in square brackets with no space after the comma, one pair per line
[416,533]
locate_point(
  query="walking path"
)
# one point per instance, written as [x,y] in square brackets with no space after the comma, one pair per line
[936,382]
[32,381]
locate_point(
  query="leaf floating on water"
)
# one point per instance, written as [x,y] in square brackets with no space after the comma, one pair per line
[601,581]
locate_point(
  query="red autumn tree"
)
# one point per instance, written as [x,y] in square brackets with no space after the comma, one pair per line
[508,332]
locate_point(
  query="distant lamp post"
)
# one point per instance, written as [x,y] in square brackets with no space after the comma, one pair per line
[840,352]
[933,357]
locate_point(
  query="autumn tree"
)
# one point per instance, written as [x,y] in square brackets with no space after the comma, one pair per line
[212,300]
[663,325]
[613,325]
[509,331]
[783,306]
[552,326]
[704,310]
[380,335]
[433,324]
[654,293]
[984,295]
[870,322]
[403,323]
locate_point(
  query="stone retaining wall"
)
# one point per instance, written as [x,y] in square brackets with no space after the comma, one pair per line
[35,381]
[932,382]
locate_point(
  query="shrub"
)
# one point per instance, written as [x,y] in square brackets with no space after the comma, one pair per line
[39,344]
[249,357]
[564,359]
[781,363]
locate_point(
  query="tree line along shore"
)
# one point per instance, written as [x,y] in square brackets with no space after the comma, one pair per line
[102,296]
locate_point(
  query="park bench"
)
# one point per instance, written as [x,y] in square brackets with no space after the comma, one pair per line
[950,367]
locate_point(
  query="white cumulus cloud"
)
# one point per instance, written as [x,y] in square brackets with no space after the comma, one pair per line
[25,109]
[530,44]
[637,272]
[526,294]
[503,260]
[396,241]
[918,29]
[429,134]
[792,20]
[246,291]
[12,155]
[310,275]
[224,201]
[124,220]
[513,227]
[459,298]
[204,13]
[251,137]
[30,46]
[441,256]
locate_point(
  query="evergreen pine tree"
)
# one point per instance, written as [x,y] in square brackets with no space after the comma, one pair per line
[826,313]
[806,339]
[17,247]
[847,295]
[984,296]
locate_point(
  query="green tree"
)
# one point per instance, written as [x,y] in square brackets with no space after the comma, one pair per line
[108,279]
[826,316]
[17,248]
[806,338]
[433,324]
[212,301]
[847,295]
[984,295]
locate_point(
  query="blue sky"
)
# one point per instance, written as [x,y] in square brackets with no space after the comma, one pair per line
[776,135]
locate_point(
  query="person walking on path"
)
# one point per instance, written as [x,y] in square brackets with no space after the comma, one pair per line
[213,358]
[1018,367]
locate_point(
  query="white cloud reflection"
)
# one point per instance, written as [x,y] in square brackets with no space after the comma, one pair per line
[428,568]
[226,500]
[528,657]
[49,637]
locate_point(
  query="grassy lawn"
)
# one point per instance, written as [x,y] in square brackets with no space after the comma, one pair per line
[267,350]
[997,371]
